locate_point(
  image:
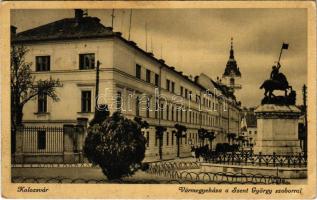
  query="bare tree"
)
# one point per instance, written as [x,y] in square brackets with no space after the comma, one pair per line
[24,87]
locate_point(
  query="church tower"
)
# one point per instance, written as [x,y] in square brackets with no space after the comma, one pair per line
[232,72]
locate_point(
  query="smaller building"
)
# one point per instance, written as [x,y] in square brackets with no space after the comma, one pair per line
[249,128]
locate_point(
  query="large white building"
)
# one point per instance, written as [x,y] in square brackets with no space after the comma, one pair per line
[131,80]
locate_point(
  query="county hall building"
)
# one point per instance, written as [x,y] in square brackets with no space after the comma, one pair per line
[130,80]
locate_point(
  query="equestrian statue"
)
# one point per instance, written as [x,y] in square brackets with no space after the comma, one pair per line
[278,81]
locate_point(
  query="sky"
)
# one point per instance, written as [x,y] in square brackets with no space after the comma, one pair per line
[198,40]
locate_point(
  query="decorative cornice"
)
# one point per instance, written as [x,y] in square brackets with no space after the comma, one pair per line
[277,115]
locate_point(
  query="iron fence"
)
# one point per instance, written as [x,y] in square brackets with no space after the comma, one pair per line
[175,171]
[188,178]
[173,166]
[42,140]
[247,158]
[54,165]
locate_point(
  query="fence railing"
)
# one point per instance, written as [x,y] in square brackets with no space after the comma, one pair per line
[176,178]
[54,165]
[175,171]
[42,140]
[247,158]
[161,166]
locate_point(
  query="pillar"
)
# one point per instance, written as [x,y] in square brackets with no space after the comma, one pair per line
[18,155]
[69,132]
[277,128]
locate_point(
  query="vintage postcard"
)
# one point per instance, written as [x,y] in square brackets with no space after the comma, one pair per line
[158,99]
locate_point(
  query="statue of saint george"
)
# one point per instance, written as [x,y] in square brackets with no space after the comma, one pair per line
[277,81]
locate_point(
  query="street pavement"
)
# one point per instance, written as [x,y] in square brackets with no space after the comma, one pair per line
[96,173]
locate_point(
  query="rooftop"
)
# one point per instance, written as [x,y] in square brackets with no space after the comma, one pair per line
[84,27]
[225,90]
[81,27]
[68,28]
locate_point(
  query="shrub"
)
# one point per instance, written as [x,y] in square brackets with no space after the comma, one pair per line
[223,148]
[116,145]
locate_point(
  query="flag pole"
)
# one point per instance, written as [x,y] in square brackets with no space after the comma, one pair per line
[279,58]
[284,46]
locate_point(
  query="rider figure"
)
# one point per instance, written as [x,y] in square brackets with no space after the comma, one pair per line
[275,72]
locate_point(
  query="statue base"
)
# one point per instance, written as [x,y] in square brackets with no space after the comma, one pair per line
[277,129]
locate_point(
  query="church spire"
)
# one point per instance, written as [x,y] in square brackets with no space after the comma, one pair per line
[231,50]
[232,70]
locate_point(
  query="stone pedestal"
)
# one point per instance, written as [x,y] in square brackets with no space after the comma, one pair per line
[277,129]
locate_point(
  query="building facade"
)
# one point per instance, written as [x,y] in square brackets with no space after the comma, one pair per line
[249,127]
[131,81]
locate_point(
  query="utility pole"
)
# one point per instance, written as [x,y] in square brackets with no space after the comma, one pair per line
[146,36]
[122,21]
[97,86]
[130,24]
[151,45]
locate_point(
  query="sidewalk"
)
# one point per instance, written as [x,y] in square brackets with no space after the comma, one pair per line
[66,174]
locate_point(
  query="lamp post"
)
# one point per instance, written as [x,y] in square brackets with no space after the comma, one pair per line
[159,135]
[180,133]
[305,115]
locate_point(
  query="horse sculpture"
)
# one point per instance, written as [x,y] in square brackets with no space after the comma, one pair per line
[279,83]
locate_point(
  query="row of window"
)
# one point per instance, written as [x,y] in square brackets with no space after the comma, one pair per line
[187,94]
[170,86]
[172,113]
[250,132]
[86,61]
[168,113]
[170,139]
[85,102]
[148,75]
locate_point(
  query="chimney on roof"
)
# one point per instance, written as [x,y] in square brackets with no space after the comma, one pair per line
[79,13]
[13,30]
[161,61]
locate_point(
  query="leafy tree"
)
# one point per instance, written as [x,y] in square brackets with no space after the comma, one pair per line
[231,136]
[210,136]
[100,115]
[180,133]
[142,123]
[202,135]
[117,145]
[24,87]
